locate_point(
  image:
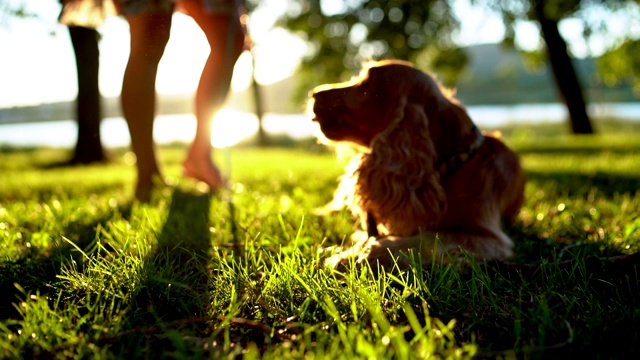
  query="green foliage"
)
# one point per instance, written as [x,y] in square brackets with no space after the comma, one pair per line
[496,75]
[622,64]
[344,38]
[85,273]
[594,17]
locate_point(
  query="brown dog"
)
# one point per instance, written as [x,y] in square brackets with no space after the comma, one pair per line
[430,179]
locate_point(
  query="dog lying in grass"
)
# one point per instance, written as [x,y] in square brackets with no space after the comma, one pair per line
[428,181]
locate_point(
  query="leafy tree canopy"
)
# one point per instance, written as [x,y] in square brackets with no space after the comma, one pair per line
[346,34]
[612,25]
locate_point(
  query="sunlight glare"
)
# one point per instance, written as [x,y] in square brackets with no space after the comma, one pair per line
[528,36]
[184,57]
[242,73]
[278,56]
[230,127]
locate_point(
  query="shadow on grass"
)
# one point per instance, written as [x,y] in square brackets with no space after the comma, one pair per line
[569,238]
[37,272]
[573,184]
[594,301]
[593,286]
[174,277]
[561,262]
[173,280]
[176,271]
[579,149]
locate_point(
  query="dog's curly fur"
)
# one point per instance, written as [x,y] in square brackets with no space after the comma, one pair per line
[428,176]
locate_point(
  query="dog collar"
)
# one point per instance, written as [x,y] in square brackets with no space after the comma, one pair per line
[449,166]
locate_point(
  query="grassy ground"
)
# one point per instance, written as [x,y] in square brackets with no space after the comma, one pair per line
[84,273]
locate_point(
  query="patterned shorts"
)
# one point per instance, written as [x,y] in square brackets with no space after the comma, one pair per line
[134,7]
[92,13]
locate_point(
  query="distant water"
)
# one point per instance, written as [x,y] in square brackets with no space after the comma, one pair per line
[230,127]
[499,115]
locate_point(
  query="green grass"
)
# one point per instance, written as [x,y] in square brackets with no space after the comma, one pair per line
[85,273]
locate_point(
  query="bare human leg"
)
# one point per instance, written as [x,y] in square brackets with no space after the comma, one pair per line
[226,39]
[149,36]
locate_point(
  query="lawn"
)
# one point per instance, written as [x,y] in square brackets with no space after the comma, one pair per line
[86,273]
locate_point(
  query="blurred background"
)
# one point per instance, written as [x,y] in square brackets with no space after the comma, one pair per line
[517,61]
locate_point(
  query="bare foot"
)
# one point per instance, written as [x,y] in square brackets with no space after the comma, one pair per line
[144,187]
[204,171]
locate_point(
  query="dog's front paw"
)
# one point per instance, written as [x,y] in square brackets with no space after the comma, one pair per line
[344,259]
[396,252]
[389,252]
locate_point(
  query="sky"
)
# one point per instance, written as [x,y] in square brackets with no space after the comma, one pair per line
[37,63]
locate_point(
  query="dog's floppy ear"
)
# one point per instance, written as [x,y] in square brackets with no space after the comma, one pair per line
[397,181]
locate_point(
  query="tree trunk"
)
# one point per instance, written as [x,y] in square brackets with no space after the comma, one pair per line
[88,108]
[564,72]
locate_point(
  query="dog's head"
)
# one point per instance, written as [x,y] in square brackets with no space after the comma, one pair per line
[362,108]
[410,127]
